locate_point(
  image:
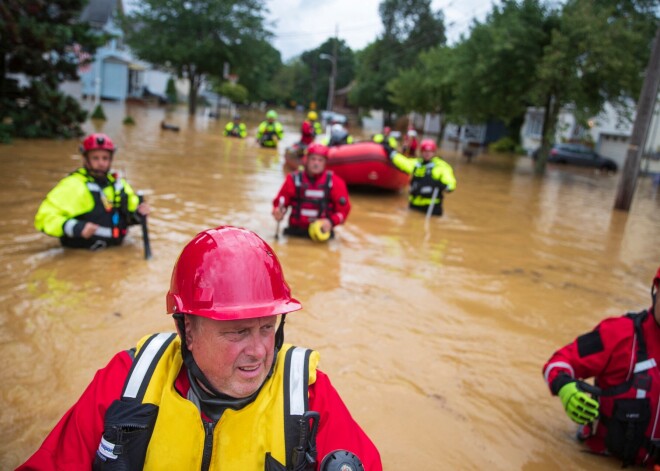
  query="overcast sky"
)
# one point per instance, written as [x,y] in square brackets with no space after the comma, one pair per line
[300,25]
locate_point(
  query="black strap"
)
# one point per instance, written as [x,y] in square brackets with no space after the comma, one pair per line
[292,419]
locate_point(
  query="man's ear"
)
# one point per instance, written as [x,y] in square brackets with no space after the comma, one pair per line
[189,330]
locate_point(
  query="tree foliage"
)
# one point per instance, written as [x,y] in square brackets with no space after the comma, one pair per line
[37,41]
[197,37]
[580,54]
[597,53]
[320,70]
[235,92]
[410,27]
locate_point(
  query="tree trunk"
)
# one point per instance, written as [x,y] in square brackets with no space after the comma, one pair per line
[514,127]
[549,126]
[441,132]
[195,81]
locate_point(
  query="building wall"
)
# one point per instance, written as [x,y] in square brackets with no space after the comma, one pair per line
[114,80]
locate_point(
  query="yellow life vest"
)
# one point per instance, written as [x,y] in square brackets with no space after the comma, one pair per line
[241,438]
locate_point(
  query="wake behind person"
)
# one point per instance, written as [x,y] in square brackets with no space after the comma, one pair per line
[317,197]
[92,207]
[226,393]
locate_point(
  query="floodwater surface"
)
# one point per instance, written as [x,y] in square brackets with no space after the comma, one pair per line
[434,332]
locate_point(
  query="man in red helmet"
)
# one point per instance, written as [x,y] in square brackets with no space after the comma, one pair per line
[431,177]
[92,207]
[316,196]
[619,415]
[225,394]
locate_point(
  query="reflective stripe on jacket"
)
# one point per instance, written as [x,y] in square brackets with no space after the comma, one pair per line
[78,198]
[236,130]
[269,133]
[312,199]
[426,176]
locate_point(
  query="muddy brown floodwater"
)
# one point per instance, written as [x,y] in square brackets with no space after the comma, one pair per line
[435,334]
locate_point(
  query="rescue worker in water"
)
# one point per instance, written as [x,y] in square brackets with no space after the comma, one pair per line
[620,415]
[92,207]
[318,198]
[225,394]
[431,176]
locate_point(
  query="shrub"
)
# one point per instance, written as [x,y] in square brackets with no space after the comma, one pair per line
[99,113]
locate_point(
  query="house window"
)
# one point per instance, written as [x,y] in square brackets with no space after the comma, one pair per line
[534,126]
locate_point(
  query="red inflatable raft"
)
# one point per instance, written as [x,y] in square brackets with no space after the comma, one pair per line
[366,164]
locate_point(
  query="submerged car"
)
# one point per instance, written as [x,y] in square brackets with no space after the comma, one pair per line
[578,154]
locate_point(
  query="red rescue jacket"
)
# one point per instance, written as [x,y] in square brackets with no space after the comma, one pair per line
[323,197]
[623,358]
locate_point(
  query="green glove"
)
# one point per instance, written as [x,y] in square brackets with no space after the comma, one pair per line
[579,407]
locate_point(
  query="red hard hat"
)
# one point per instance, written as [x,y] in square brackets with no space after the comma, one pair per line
[97,141]
[229,273]
[428,144]
[318,149]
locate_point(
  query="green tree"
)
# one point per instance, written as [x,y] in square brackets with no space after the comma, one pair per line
[170,91]
[495,68]
[39,40]
[597,54]
[428,87]
[235,92]
[410,27]
[291,83]
[197,37]
[256,69]
[321,69]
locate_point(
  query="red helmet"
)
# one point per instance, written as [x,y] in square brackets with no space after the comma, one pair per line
[428,144]
[97,141]
[229,273]
[318,149]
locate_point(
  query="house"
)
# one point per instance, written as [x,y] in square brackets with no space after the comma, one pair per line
[609,132]
[115,73]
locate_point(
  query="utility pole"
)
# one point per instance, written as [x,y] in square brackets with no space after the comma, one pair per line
[333,74]
[645,107]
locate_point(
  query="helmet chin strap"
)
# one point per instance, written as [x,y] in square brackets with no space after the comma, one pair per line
[212,401]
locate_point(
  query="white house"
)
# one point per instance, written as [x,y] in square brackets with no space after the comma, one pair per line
[610,131]
[115,73]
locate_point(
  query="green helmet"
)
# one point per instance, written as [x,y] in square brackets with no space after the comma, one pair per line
[272,114]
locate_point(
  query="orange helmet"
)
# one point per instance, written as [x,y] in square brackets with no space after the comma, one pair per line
[97,141]
[229,273]
[428,144]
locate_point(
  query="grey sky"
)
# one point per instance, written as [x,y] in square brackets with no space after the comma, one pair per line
[300,25]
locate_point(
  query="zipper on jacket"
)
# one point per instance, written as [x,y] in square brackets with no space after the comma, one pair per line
[208,445]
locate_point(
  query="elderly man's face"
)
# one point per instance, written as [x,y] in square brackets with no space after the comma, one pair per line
[235,356]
